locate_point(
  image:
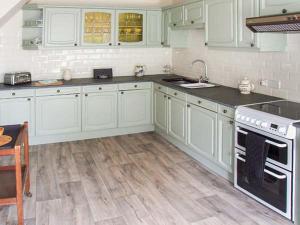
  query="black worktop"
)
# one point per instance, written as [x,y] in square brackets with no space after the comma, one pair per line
[223,95]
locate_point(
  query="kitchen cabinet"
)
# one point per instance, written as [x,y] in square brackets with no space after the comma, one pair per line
[202,130]
[154,22]
[273,7]
[99,111]
[59,114]
[18,111]
[177,118]
[193,14]
[131,27]
[134,107]
[98,27]
[62,27]
[176,17]
[166,21]
[225,142]
[161,110]
[221,23]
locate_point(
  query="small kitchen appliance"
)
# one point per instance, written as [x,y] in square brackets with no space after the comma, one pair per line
[103,73]
[17,78]
[274,122]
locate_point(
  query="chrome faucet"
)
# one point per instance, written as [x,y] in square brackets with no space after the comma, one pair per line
[203,78]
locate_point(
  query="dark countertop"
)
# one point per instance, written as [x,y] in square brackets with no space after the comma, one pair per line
[223,95]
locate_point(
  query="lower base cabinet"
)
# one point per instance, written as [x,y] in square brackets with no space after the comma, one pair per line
[177,118]
[225,142]
[161,110]
[134,107]
[202,130]
[58,114]
[99,111]
[18,111]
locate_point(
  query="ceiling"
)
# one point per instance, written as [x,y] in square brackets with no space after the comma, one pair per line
[111,3]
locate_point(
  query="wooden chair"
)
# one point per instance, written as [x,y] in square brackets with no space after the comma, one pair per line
[14,178]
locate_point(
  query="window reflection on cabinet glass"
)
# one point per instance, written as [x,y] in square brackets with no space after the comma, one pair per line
[130,27]
[97,27]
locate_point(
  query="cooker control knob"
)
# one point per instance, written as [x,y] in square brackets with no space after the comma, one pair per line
[243,117]
[253,120]
[258,122]
[247,119]
[238,116]
[282,130]
[264,124]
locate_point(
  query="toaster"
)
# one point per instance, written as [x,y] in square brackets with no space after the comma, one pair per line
[17,78]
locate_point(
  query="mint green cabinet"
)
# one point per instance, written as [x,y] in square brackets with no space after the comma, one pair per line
[221,23]
[272,7]
[225,142]
[177,118]
[99,111]
[176,17]
[59,114]
[134,108]
[18,111]
[62,27]
[202,130]
[161,110]
[166,30]
[154,28]
[193,14]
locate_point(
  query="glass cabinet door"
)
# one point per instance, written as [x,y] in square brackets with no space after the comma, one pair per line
[98,27]
[131,27]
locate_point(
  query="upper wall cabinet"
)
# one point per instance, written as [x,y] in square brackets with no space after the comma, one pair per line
[166,30]
[193,14]
[176,15]
[130,27]
[154,28]
[62,27]
[271,7]
[221,23]
[98,27]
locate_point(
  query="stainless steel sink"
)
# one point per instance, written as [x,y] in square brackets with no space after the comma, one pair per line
[188,83]
[198,85]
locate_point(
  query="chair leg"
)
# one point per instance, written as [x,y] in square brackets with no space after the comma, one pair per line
[27,161]
[19,186]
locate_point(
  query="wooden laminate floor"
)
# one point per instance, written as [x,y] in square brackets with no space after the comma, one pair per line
[138,179]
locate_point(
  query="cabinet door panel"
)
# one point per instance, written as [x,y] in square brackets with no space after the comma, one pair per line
[225,142]
[193,13]
[221,23]
[177,119]
[18,111]
[202,130]
[58,114]
[272,7]
[100,111]
[160,110]
[246,9]
[176,16]
[166,30]
[154,28]
[98,27]
[134,108]
[62,26]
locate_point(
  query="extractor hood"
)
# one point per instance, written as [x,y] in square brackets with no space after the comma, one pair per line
[275,23]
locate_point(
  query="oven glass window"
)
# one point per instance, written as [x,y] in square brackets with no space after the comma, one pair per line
[273,190]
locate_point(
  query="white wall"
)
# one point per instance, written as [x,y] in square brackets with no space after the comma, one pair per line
[47,64]
[228,66]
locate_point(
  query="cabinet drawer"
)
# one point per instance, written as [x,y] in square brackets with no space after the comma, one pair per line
[58,91]
[100,88]
[135,86]
[161,88]
[226,111]
[203,103]
[17,93]
[177,94]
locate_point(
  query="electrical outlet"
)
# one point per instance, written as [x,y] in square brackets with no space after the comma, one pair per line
[271,83]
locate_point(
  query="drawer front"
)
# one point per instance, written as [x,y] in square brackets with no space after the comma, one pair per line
[135,86]
[177,94]
[100,88]
[161,88]
[17,93]
[203,103]
[226,111]
[58,91]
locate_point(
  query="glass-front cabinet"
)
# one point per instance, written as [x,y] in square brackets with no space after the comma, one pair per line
[98,27]
[130,27]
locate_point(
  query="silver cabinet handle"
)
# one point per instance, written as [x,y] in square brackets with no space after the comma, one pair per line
[276,144]
[280,177]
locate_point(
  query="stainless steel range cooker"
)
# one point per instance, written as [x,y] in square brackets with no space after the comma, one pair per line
[274,122]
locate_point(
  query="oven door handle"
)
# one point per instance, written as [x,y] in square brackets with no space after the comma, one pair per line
[276,144]
[280,177]
[241,131]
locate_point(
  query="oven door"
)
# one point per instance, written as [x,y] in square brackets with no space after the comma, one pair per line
[276,190]
[280,151]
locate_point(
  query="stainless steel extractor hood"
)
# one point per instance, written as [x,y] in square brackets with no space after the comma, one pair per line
[276,23]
